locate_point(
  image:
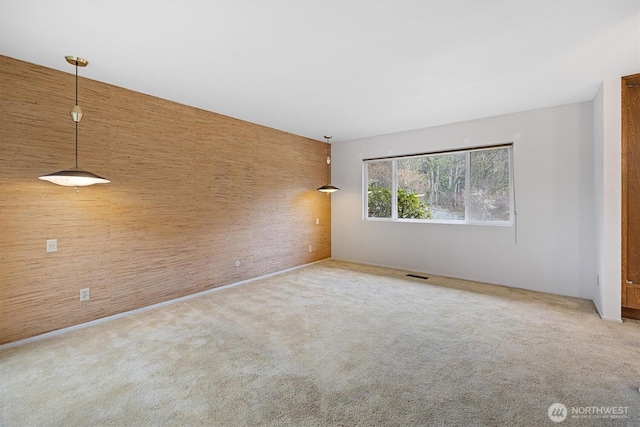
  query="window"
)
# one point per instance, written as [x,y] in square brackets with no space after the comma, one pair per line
[379,193]
[461,186]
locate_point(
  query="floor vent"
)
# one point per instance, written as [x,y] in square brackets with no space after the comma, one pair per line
[417,276]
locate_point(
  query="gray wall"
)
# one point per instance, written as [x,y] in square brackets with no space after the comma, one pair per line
[553,171]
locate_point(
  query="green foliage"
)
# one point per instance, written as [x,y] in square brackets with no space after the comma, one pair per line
[441,182]
[409,205]
[379,202]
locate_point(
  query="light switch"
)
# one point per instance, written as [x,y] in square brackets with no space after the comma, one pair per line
[52,245]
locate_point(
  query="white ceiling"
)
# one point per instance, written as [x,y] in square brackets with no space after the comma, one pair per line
[352,69]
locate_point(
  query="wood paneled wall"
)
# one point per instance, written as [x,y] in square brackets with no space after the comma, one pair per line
[191,192]
[631,196]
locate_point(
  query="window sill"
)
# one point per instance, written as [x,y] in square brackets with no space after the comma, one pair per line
[447,222]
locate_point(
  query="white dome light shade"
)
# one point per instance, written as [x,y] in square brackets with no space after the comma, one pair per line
[74,178]
[328,189]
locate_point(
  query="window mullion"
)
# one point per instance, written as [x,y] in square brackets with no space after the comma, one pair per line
[512,189]
[467,186]
[394,191]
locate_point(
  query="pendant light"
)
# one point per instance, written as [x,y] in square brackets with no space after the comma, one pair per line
[75,177]
[328,188]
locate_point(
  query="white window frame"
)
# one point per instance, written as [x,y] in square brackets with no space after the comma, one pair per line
[467,190]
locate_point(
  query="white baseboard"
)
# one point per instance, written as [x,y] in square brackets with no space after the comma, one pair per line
[143,309]
[433,273]
[611,319]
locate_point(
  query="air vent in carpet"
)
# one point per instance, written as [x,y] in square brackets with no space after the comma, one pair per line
[417,276]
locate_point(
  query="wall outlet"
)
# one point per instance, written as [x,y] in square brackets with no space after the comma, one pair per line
[310,248]
[52,245]
[84,294]
[317,221]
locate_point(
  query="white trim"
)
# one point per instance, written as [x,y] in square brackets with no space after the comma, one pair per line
[467,186]
[365,190]
[611,319]
[467,190]
[143,309]
[445,221]
[394,189]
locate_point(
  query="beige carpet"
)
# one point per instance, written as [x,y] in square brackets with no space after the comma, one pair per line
[333,344]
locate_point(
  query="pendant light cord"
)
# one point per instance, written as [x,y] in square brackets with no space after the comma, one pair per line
[76,145]
[328,158]
[75,121]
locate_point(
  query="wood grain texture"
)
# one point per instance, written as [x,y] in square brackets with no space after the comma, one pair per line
[631,313]
[191,192]
[633,296]
[631,191]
